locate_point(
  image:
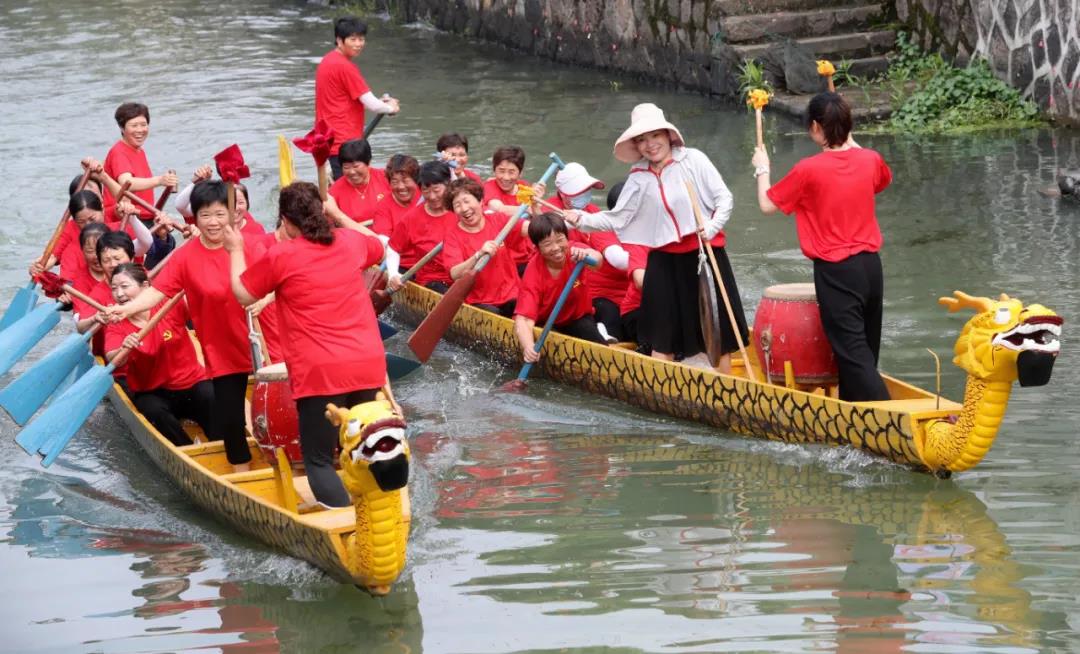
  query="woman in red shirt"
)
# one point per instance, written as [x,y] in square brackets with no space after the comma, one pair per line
[420,230]
[471,237]
[201,269]
[361,187]
[454,150]
[126,160]
[403,172]
[500,194]
[333,352]
[832,197]
[165,380]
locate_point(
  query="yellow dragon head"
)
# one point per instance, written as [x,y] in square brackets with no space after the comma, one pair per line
[1006,341]
[374,453]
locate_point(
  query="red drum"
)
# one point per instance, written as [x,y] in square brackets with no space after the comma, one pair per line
[273,414]
[787,327]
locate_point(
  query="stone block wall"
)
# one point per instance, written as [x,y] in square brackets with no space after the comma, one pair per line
[1034,45]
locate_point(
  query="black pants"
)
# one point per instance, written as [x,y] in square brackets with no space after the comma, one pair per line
[438,287]
[335,168]
[583,328]
[849,295]
[319,443]
[506,309]
[228,420]
[607,312]
[165,409]
[159,249]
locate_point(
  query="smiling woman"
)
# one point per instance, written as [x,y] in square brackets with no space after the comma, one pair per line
[126,161]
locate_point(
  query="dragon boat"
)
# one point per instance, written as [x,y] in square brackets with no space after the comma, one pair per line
[363,544]
[1005,342]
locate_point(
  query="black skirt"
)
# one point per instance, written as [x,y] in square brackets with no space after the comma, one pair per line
[669,319]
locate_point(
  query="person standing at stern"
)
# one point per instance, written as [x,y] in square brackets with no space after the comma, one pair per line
[832,197]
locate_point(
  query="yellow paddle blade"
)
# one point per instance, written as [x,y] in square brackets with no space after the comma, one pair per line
[286,171]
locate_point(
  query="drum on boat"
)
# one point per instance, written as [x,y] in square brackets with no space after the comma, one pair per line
[788,327]
[274,421]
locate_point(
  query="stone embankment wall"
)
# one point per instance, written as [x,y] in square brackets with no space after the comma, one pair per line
[1032,44]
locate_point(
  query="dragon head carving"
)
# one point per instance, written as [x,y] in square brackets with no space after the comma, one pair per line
[374,452]
[1006,341]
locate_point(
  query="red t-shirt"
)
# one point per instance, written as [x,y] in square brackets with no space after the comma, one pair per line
[100,291]
[338,87]
[540,291]
[415,235]
[166,356]
[607,282]
[251,226]
[334,344]
[388,213]
[219,319]
[832,196]
[123,158]
[639,256]
[497,283]
[69,235]
[523,249]
[73,265]
[269,321]
[359,203]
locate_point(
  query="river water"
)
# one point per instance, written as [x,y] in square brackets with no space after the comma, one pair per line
[550,520]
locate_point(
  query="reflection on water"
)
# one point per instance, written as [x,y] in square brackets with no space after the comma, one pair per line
[534,527]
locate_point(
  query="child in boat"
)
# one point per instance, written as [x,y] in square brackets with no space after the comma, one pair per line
[832,197]
[545,277]
[472,236]
[403,173]
[361,187]
[165,380]
[607,286]
[500,194]
[454,150]
[420,230]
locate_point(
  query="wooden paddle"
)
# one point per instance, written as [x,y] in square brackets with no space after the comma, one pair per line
[372,124]
[431,330]
[826,69]
[381,298]
[720,281]
[164,197]
[758,99]
[523,376]
[55,427]
[27,296]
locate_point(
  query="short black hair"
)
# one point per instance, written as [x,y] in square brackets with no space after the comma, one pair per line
[129,110]
[544,225]
[355,150]
[434,172]
[346,26]
[74,185]
[116,240]
[511,153]
[207,193]
[92,230]
[83,200]
[452,140]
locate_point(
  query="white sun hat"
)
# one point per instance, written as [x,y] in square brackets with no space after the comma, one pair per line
[644,118]
[575,180]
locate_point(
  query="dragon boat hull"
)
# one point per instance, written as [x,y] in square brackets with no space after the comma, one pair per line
[250,502]
[890,429]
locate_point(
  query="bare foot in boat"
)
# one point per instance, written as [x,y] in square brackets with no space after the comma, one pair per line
[241,467]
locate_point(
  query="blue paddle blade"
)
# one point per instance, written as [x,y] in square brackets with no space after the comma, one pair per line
[20,305]
[24,334]
[386,331]
[24,396]
[397,367]
[53,429]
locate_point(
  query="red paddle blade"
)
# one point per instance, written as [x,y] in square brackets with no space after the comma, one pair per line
[430,332]
[380,299]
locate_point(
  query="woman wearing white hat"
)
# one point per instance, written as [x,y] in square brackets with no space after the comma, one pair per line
[655,210]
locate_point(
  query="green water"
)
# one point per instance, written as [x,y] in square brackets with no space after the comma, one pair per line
[547,521]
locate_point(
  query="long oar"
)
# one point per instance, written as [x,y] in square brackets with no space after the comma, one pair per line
[372,124]
[431,330]
[381,297]
[56,425]
[523,376]
[27,296]
[164,197]
[720,281]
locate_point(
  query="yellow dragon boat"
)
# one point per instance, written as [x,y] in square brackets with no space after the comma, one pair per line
[1003,343]
[363,544]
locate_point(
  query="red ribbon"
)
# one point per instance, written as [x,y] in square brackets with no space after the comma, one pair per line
[51,284]
[318,142]
[230,164]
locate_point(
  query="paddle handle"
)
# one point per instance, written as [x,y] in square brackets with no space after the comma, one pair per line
[574,274]
[720,280]
[82,296]
[558,210]
[372,124]
[122,354]
[259,355]
[829,81]
[324,184]
[55,238]
[411,272]
[169,190]
[757,120]
[556,164]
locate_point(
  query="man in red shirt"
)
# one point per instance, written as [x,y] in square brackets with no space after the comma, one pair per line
[341,93]
[500,194]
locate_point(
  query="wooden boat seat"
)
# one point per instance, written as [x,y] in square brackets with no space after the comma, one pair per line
[917,404]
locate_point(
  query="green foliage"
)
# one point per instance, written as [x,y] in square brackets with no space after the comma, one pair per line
[752,76]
